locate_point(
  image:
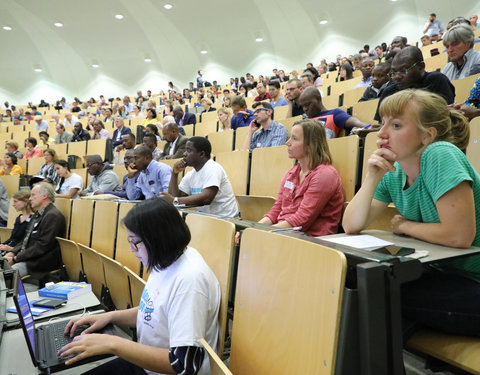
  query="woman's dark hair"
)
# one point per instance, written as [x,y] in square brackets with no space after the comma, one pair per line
[348,69]
[32,140]
[314,72]
[63,164]
[153,112]
[153,128]
[161,228]
[13,157]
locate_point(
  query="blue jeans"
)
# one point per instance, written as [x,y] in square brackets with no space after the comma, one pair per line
[117,366]
[442,301]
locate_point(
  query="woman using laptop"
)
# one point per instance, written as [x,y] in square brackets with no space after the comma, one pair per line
[179,304]
[419,166]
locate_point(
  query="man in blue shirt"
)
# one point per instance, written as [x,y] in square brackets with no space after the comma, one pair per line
[263,131]
[242,115]
[154,176]
[277,99]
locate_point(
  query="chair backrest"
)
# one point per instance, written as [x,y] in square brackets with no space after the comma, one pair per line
[92,268]
[254,207]
[436,62]
[65,207]
[209,117]
[287,306]
[77,148]
[189,130]
[274,160]
[288,122]
[236,165]
[221,141]
[81,222]
[137,284]
[116,280]
[369,146]
[473,148]
[280,113]
[99,147]
[204,128]
[463,87]
[105,227]
[60,148]
[365,111]
[71,258]
[12,183]
[344,152]
[217,251]
[122,248]
[33,165]
[217,367]
[351,97]
[240,134]
[120,171]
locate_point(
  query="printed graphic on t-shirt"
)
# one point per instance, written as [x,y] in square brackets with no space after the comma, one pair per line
[146,307]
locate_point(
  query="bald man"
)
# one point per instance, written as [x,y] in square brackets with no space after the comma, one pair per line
[334,119]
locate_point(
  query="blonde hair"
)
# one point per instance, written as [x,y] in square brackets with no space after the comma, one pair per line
[12,144]
[23,195]
[228,112]
[315,143]
[208,101]
[429,110]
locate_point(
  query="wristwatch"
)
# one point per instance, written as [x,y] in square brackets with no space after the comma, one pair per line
[175,201]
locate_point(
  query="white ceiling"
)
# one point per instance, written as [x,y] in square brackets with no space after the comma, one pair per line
[173,40]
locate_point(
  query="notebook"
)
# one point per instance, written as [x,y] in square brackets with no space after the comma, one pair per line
[43,342]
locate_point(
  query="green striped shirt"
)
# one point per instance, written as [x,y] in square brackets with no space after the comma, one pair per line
[442,167]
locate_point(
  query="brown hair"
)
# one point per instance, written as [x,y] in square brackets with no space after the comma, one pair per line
[315,143]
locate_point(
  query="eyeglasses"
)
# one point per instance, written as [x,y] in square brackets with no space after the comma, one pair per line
[403,72]
[134,244]
[260,109]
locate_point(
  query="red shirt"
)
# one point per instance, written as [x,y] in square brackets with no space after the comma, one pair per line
[315,204]
[36,152]
[264,97]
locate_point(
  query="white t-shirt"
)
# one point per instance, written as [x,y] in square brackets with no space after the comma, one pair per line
[74,181]
[180,305]
[211,174]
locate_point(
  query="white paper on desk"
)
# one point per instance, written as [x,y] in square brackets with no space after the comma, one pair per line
[362,241]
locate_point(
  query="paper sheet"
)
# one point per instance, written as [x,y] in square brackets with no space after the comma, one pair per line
[362,241]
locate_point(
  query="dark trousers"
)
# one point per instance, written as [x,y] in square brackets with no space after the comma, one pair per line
[117,366]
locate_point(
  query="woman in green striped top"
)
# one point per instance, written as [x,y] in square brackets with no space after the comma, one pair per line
[419,166]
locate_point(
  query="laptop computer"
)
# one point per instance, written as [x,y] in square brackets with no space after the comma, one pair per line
[43,342]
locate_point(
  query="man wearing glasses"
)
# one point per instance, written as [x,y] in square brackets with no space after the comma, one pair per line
[408,72]
[103,176]
[263,131]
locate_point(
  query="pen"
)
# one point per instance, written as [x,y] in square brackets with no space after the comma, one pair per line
[367,126]
[286,229]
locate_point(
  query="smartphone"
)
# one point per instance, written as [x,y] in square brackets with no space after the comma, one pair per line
[49,302]
[395,250]
[256,123]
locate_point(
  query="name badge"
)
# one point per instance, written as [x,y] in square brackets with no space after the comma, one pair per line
[289,185]
[259,145]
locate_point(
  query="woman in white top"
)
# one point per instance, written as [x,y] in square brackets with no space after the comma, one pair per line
[70,183]
[179,304]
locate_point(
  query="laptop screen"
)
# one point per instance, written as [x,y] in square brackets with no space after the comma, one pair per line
[27,316]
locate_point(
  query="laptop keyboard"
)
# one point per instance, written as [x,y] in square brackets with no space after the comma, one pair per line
[56,332]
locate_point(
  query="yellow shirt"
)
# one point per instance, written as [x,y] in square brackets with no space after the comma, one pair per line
[16,169]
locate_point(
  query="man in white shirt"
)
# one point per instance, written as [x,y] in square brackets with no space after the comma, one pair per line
[40,123]
[433,27]
[69,120]
[207,185]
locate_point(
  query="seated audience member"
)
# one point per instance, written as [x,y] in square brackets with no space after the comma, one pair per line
[183,118]
[120,131]
[398,42]
[292,94]
[4,205]
[317,80]
[277,99]
[426,40]
[224,119]
[262,93]
[39,252]
[366,67]
[150,141]
[128,159]
[207,104]
[263,131]
[91,119]
[108,115]
[408,71]
[154,176]
[128,107]
[180,289]
[40,123]
[99,131]
[62,136]
[307,80]
[33,151]
[47,170]
[241,115]
[207,185]
[45,139]
[10,166]
[103,176]
[152,129]
[128,142]
[79,133]
[464,60]
[379,82]
[419,166]
[69,119]
[137,112]
[346,72]
[12,147]
[21,203]
[151,117]
[334,119]
[69,183]
[310,194]
[474,21]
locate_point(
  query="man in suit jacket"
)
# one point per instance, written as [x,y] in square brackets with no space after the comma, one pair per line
[119,132]
[176,143]
[183,118]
